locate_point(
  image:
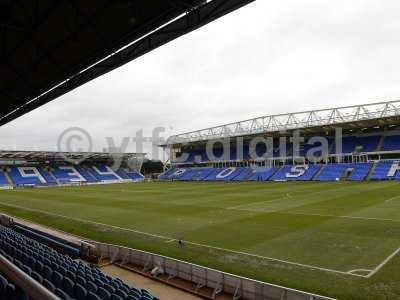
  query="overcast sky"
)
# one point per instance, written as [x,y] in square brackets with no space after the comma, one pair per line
[266,58]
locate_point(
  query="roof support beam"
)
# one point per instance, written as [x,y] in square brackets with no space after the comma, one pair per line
[190,21]
[334,117]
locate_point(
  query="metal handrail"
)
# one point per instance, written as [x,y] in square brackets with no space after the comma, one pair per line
[34,289]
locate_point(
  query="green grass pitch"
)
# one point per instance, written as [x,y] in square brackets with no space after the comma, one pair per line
[336,239]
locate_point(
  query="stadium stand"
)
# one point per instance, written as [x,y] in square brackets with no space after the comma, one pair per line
[65,277]
[384,170]
[370,147]
[229,174]
[368,143]
[50,180]
[294,173]
[167,174]
[134,175]
[212,176]
[3,179]
[261,174]
[25,175]
[104,173]
[68,174]
[39,175]
[350,145]
[83,170]
[332,172]
[187,175]
[359,172]
[391,143]
[354,144]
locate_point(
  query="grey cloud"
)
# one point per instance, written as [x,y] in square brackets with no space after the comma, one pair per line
[269,57]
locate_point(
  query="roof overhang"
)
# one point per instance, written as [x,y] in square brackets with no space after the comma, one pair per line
[315,121]
[54,156]
[49,48]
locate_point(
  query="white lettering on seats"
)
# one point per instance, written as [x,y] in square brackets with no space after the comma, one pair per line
[297,171]
[30,172]
[393,169]
[225,173]
[73,172]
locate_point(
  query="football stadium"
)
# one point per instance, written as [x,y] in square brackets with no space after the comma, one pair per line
[293,206]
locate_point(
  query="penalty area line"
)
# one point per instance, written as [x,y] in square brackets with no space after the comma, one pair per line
[170,239]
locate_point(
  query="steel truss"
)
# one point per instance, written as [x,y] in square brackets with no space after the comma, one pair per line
[292,121]
[54,156]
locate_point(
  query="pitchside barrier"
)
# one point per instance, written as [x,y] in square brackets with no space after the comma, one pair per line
[77,183]
[199,276]
[217,281]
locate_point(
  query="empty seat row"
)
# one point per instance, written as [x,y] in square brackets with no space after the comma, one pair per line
[64,174]
[384,170]
[349,144]
[63,276]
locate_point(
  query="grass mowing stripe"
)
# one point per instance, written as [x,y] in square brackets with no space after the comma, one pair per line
[367,236]
[170,239]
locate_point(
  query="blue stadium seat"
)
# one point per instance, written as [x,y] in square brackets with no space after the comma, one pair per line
[3,179]
[383,169]
[201,173]
[104,173]
[49,179]
[230,174]
[80,292]
[122,173]
[187,176]
[177,173]
[92,296]
[3,286]
[296,173]
[360,171]
[83,171]
[244,175]
[61,294]
[68,174]
[262,173]
[168,173]
[332,172]
[391,143]
[64,279]
[368,143]
[26,176]
[212,176]
[135,175]
[47,284]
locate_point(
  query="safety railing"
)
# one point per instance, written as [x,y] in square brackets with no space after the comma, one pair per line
[219,282]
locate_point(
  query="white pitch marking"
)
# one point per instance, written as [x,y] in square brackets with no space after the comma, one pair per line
[391,199]
[319,215]
[353,272]
[186,242]
[237,207]
[382,264]
[287,196]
